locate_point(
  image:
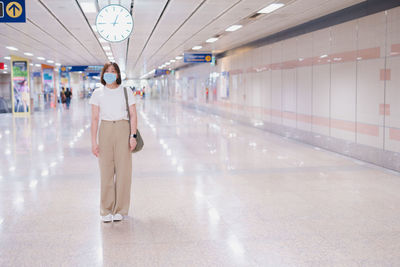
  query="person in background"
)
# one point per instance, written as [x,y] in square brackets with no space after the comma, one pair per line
[63,97]
[68,96]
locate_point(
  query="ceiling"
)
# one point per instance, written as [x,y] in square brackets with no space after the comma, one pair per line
[60,30]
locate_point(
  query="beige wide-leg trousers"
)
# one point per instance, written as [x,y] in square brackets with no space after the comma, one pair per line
[115,160]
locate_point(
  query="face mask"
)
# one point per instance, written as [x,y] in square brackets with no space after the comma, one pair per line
[110,77]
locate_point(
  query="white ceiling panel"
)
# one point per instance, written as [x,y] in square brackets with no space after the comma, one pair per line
[60,30]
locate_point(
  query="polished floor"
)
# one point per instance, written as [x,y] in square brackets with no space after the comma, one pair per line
[206,192]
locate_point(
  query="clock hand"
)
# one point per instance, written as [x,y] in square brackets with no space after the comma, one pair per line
[115,22]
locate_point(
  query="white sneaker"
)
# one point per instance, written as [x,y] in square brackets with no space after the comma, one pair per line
[107,218]
[118,217]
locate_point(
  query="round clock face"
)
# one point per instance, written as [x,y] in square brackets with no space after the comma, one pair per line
[114,23]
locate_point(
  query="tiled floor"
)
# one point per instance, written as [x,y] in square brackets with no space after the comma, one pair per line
[206,192]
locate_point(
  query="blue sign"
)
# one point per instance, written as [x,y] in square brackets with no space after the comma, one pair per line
[88,69]
[161,72]
[197,57]
[12,11]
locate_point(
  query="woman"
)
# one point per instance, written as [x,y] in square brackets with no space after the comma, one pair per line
[115,142]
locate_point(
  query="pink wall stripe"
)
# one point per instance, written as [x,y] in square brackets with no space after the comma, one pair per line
[395,49]
[394,134]
[320,121]
[304,118]
[347,56]
[367,129]
[289,115]
[343,125]
[384,109]
[385,74]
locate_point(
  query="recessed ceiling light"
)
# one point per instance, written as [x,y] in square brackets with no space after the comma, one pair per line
[12,48]
[172,60]
[233,28]
[323,56]
[5,72]
[102,40]
[50,61]
[270,8]
[37,65]
[179,57]
[31,64]
[106,48]
[197,47]
[41,58]
[28,54]
[167,63]
[8,58]
[88,7]
[212,40]
[109,53]
[58,64]
[94,28]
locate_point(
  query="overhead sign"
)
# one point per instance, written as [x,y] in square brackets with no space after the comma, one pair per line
[197,57]
[95,69]
[12,11]
[161,72]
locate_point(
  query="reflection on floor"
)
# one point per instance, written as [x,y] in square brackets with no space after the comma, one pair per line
[206,192]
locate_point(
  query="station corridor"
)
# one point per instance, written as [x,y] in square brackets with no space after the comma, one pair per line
[206,191]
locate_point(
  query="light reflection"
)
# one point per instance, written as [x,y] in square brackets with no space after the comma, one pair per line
[12,168]
[235,245]
[214,215]
[40,147]
[7,152]
[7,132]
[1,136]
[33,183]
[53,164]
[1,220]
[169,152]
[252,144]
[45,173]
[180,169]
[174,161]
[19,200]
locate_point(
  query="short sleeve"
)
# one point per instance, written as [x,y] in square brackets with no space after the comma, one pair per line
[131,97]
[94,99]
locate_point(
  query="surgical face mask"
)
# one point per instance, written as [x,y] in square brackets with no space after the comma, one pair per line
[110,77]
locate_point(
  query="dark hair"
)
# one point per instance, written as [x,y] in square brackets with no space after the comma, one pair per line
[108,64]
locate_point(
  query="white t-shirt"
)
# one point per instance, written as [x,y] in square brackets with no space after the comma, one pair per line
[112,102]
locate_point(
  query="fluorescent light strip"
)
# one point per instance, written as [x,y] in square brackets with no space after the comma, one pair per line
[88,7]
[12,48]
[271,8]
[41,58]
[197,47]
[233,28]
[179,57]
[28,54]
[212,40]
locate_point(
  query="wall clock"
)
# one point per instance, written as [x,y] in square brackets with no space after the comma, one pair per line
[114,23]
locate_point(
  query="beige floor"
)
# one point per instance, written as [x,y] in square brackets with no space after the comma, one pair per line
[206,192]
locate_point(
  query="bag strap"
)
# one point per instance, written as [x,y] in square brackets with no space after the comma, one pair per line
[127,108]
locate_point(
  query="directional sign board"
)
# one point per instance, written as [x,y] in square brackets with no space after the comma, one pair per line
[197,57]
[12,11]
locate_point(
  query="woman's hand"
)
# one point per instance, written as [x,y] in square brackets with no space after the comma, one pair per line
[95,149]
[132,143]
